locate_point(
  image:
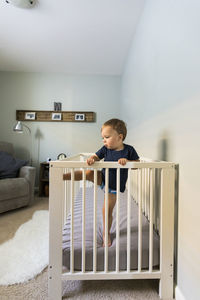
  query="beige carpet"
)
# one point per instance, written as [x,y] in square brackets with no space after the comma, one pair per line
[36,289]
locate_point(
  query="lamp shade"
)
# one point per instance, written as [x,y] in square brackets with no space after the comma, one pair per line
[18,127]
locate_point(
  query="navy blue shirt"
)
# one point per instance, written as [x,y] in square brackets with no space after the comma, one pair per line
[112,155]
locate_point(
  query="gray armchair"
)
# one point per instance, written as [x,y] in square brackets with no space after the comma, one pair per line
[19,191]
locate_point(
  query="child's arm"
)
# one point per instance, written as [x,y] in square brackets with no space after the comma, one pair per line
[91,160]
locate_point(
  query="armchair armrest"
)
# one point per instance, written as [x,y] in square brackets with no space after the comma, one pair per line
[28,173]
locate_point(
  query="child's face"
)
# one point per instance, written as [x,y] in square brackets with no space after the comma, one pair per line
[111,138]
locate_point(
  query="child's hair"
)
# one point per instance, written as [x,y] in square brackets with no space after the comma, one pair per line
[117,125]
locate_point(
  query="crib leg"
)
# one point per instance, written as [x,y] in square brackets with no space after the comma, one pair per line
[166,288]
[54,286]
[167,234]
[56,202]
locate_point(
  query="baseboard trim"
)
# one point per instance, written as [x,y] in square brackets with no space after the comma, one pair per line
[178,294]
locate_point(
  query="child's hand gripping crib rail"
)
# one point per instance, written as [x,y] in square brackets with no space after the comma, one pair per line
[151,184]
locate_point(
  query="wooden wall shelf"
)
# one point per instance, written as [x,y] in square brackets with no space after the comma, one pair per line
[55,116]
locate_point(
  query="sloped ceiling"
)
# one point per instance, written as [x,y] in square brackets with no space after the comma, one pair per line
[70,36]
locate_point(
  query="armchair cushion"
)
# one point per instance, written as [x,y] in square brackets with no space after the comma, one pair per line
[11,188]
[10,166]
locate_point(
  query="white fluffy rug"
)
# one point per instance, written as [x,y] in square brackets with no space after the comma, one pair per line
[26,254]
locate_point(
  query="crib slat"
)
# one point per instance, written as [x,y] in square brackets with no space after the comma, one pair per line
[106,222]
[72,223]
[148,193]
[152,175]
[145,192]
[95,223]
[65,201]
[117,219]
[129,221]
[137,177]
[140,223]
[83,222]
[67,196]
[138,180]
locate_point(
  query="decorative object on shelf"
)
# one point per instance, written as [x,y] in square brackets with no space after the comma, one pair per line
[57,106]
[30,116]
[46,173]
[44,179]
[61,156]
[46,190]
[66,116]
[57,116]
[22,3]
[19,128]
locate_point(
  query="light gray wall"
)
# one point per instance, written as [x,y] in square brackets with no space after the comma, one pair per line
[38,91]
[160,102]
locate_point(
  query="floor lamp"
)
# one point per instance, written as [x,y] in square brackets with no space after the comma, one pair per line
[19,128]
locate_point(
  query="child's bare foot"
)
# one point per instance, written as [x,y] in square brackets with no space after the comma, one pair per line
[109,240]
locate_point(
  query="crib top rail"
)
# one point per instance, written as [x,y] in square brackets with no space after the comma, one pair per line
[79,161]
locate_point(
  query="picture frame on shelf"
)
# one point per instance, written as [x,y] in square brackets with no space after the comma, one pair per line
[79,117]
[56,116]
[29,115]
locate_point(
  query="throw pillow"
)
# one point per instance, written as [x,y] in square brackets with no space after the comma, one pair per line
[9,166]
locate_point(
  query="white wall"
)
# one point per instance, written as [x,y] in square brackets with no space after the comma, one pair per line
[161,100]
[37,91]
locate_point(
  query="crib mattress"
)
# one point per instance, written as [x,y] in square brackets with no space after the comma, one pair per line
[112,249]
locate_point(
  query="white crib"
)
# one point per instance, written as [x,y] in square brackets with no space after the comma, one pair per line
[151,184]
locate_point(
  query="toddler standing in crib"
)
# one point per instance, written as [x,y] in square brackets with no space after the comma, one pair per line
[113,134]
